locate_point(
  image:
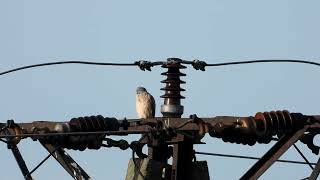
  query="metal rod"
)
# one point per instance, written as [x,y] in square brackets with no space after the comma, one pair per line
[44,160]
[125,132]
[303,156]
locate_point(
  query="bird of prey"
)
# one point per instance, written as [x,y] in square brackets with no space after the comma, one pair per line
[145,104]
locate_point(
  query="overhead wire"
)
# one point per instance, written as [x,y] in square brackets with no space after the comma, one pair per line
[147,64]
[156,63]
[265,61]
[250,157]
[67,62]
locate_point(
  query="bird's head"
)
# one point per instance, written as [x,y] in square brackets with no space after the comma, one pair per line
[141,90]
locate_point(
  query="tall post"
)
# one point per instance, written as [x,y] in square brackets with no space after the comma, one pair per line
[172,108]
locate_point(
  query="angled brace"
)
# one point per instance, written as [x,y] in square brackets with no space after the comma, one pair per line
[22,164]
[273,154]
[67,162]
[315,173]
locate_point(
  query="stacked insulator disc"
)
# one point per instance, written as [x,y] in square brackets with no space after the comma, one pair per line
[83,124]
[278,122]
[93,123]
[260,128]
[172,97]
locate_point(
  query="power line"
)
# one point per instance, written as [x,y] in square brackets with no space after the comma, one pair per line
[250,157]
[146,65]
[265,61]
[67,62]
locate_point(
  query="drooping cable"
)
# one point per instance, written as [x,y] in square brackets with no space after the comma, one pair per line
[136,167]
[146,65]
[67,62]
[265,61]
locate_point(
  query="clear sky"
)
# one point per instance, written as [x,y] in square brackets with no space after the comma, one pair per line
[125,31]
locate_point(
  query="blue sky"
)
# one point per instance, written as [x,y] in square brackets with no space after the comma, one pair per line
[125,31]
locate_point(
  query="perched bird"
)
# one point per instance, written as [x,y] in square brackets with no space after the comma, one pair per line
[145,104]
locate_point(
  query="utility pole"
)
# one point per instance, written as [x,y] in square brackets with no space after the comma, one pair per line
[172,108]
[167,136]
